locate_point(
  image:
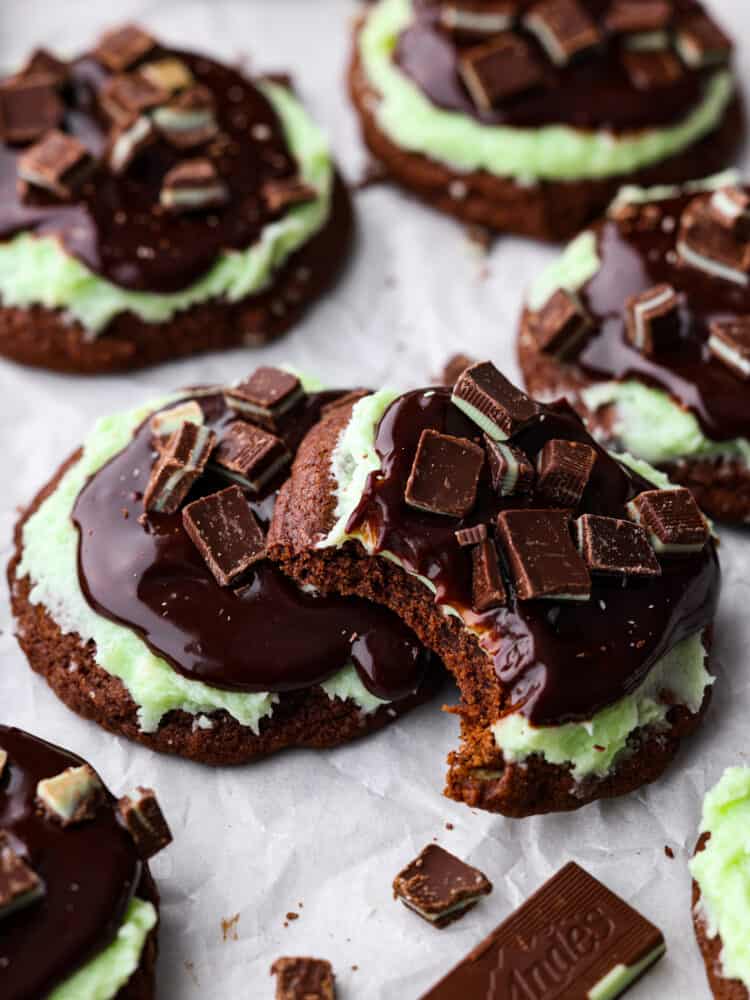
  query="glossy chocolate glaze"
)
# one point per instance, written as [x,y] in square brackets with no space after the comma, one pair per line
[116,226]
[90,872]
[636,256]
[262,635]
[593,91]
[560,660]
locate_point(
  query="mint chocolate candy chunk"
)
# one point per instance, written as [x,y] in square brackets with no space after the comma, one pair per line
[616,547]
[541,556]
[653,320]
[250,456]
[499,69]
[20,886]
[672,519]
[444,475]
[439,886]
[495,405]
[487,588]
[265,396]
[225,531]
[564,468]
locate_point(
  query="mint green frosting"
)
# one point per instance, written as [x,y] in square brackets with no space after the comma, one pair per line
[37,271]
[104,976]
[577,264]
[551,152]
[722,870]
[50,547]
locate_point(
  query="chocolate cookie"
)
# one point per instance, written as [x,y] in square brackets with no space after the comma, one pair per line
[647,334]
[156,613]
[163,202]
[562,554]
[57,822]
[467,104]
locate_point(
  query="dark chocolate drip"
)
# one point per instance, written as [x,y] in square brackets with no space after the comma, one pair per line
[263,635]
[592,91]
[90,871]
[635,257]
[562,660]
[116,226]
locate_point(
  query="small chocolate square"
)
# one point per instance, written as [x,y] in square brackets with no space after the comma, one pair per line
[125,96]
[29,107]
[58,163]
[564,29]
[182,461]
[729,343]
[487,587]
[615,547]
[632,16]
[701,42]
[20,886]
[672,519]
[142,817]
[303,979]
[444,475]
[71,797]
[499,69]
[265,396]
[249,455]
[439,886]
[225,531]
[541,555]
[492,402]
[122,48]
[192,186]
[128,140]
[730,207]
[710,247]
[561,325]
[564,469]
[510,469]
[471,536]
[478,18]
[281,193]
[189,118]
[650,70]
[652,319]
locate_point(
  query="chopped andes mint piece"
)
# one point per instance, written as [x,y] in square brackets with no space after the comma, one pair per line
[541,555]
[701,42]
[225,531]
[471,536]
[278,194]
[633,16]
[192,186]
[141,815]
[454,367]
[125,96]
[672,519]
[42,64]
[249,455]
[180,464]
[649,70]
[265,396]
[730,207]
[444,475]
[572,939]
[439,886]
[123,47]
[561,325]
[20,886]
[303,979]
[72,796]
[58,163]
[497,406]
[564,29]
[169,74]
[3,761]
[480,18]
[564,469]
[346,400]
[499,69]
[128,141]
[166,422]
[705,244]
[189,118]
[652,319]
[487,587]
[510,470]
[29,107]
[615,546]
[729,342]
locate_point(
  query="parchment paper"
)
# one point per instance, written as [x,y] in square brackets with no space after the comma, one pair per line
[323,834]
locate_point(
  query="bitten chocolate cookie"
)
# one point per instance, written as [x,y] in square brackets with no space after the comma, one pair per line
[155,203]
[643,324]
[65,934]
[528,116]
[721,915]
[143,595]
[570,592]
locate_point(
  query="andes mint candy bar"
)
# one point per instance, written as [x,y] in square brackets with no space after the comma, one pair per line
[166,422]
[701,42]
[480,18]
[249,456]
[471,536]
[169,74]
[192,186]
[181,462]
[487,588]
[224,529]
[729,342]
[649,70]
[303,979]
[439,886]
[492,402]
[541,555]
[652,319]
[498,69]
[672,520]
[279,194]
[705,244]
[20,886]
[123,47]
[144,820]
[563,28]
[128,141]
[614,546]
[189,119]
[564,469]
[730,207]
[510,469]
[631,16]
[572,939]
[72,796]
[29,107]
[58,163]
[444,474]
[129,95]
[265,396]
[560,326]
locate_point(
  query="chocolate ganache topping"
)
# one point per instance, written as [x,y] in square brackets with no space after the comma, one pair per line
[587,64]
[256,633]
[120,218]
[560,658]
[89,871]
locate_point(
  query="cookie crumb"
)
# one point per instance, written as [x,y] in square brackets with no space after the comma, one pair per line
[668,851]
[229,931]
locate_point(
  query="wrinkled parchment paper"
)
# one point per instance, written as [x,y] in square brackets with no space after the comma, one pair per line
[322,834]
